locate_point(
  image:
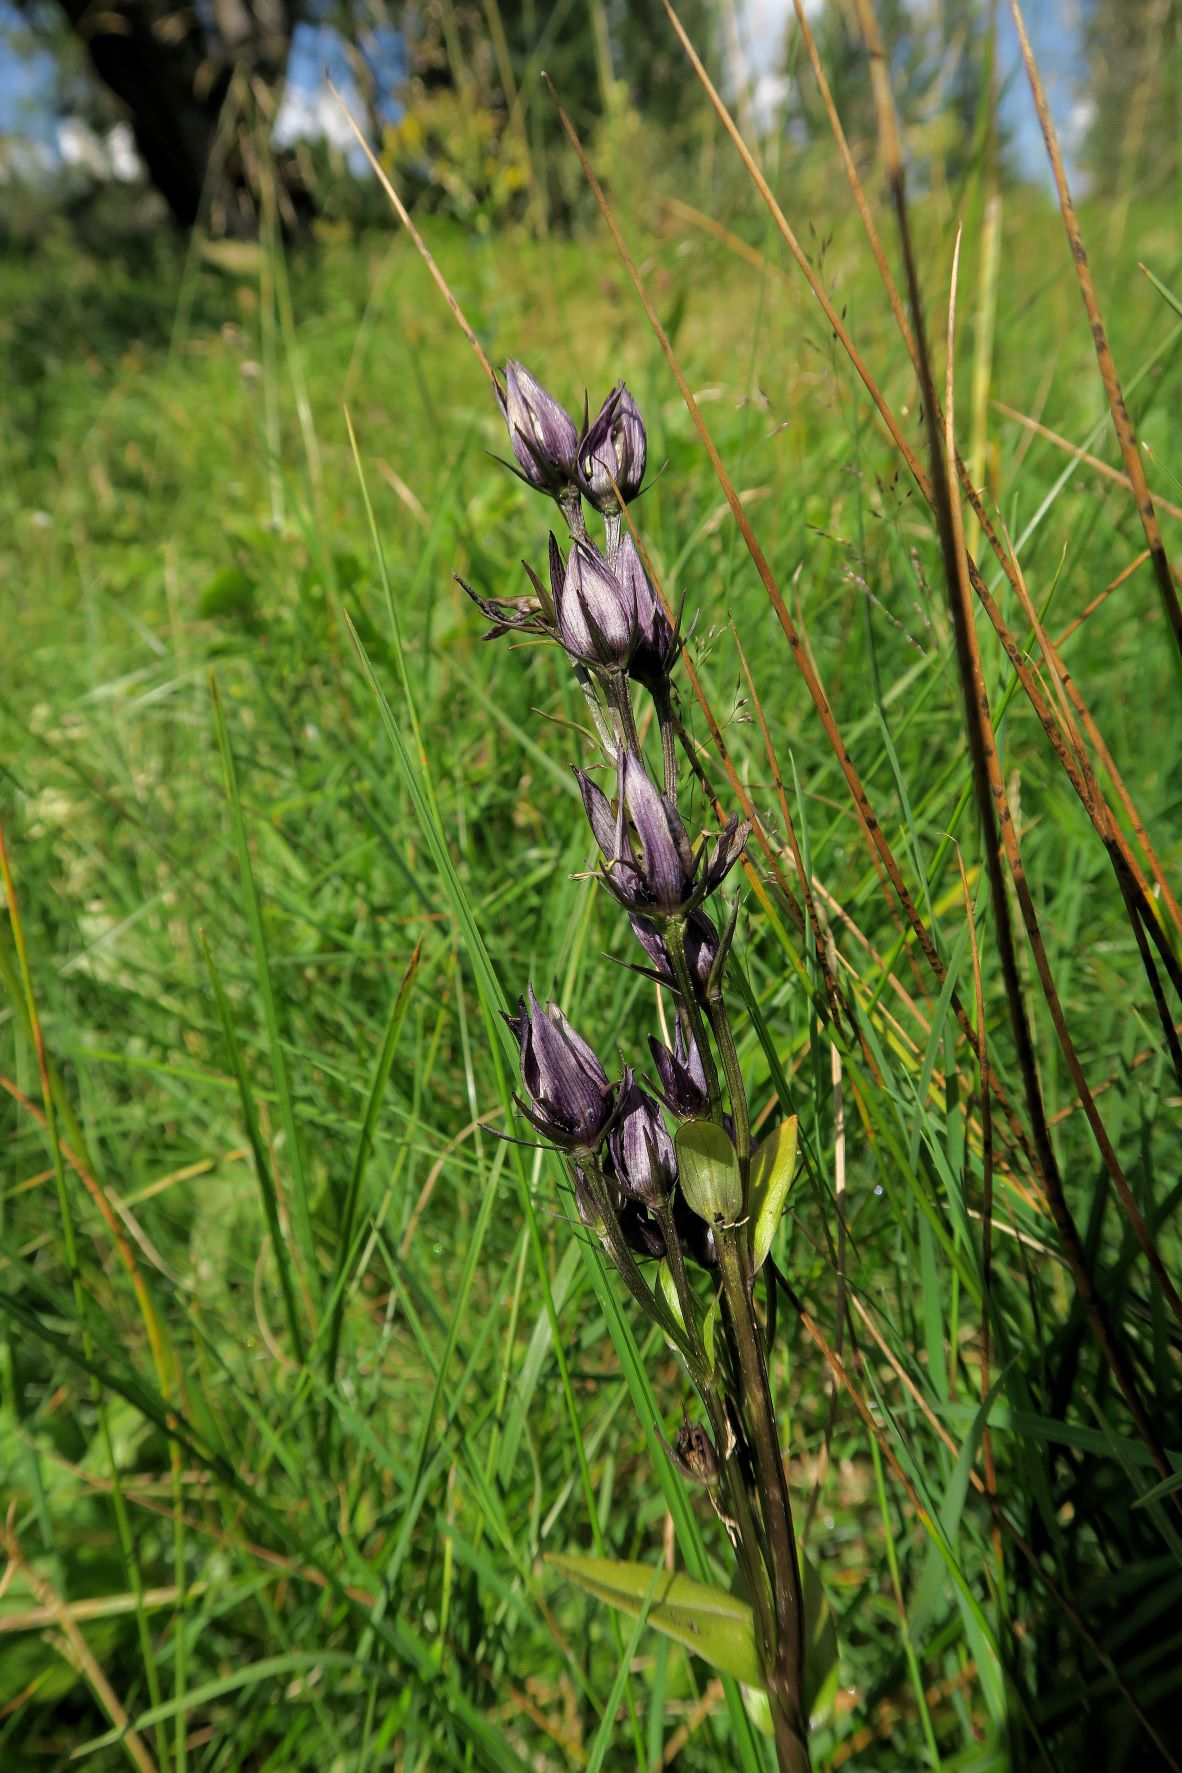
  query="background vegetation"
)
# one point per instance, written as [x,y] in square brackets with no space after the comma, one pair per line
[302,1371]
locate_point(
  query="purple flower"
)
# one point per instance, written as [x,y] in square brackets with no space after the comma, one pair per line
[642,1152]
[701,947]
[656,641]
[541,432]
[650,867]
[613,447]
[570,1098]
[595,611]
[682,1075]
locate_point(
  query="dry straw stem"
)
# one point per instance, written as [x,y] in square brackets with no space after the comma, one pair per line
[1123,425]
[924,1518]
[990,793]
[937,491]
[403,215]
[1003,555]
[986,1181]
[1123,861]
[1013,650]
[75,1649]
[1080,455]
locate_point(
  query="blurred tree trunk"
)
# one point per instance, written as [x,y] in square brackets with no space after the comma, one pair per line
[200,99]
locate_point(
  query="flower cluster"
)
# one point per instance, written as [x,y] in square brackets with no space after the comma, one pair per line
[599,605]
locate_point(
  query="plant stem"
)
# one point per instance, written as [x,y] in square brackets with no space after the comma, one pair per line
[785,1672]
[646,1297]
[621,697]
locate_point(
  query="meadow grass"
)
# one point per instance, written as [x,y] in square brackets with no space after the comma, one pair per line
[304,1372]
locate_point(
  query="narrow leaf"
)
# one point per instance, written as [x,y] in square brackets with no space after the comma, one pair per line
[773,1165]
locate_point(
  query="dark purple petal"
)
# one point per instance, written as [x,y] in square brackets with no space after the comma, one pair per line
[656,643]
[701,946]
[641,1231]
[653,943]
[697,1238]
[570,1097]
[614,447]
[596,805]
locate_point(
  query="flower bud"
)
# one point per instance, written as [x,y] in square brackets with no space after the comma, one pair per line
[542,433]
[656,642]
[595,613]
[643,1157]
[651,869]
[613,447]
[570,1099]
[701,947]
[682,1075]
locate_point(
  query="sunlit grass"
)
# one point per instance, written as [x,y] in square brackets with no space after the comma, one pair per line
[342,1565]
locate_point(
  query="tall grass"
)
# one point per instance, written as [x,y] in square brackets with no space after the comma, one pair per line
[304,1373]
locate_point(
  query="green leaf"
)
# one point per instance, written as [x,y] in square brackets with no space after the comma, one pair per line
[773,1165]
[709,1324]
[669,1289]
[820,1645]
[718,1627]
[708,1171]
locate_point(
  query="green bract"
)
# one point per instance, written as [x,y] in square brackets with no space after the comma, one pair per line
[708,1171]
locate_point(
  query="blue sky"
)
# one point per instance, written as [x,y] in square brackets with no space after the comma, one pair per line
[27,81]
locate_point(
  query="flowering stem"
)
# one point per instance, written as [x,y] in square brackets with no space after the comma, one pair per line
[612,524]
[621,698]
[603,726]
[785,1672]
[571,505]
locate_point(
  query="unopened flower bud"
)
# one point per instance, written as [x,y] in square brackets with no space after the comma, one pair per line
[701,947]
[595,613]
[542,433]
[614,447]
[643,1156]
[682,1075]
[570,1098]
[656,642]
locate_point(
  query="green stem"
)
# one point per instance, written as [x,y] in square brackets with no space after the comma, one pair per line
[675,1257]
[785,1673]
[621,699]
[646,1297]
